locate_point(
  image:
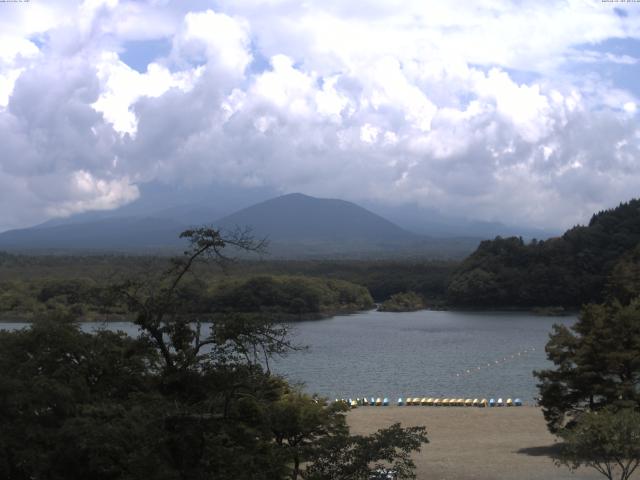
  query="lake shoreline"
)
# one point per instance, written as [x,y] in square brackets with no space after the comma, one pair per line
[314,317]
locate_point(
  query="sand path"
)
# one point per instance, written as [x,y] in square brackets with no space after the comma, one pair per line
[475,443]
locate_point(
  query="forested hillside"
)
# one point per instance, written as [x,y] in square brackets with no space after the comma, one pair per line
[566,271]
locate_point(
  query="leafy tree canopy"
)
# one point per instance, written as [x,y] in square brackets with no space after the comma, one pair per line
[567,271]
[607,441]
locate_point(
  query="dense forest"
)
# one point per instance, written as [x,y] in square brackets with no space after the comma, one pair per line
[567,271]
[279,297]
[32,285]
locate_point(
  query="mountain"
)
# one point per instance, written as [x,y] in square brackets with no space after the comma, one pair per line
[576,268]
[296,225]
[296,217]
[109,234]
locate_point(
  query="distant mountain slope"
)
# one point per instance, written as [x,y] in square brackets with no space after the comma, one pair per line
[428,221]
[296,217]
[109,234]
[565,271]
[296,225]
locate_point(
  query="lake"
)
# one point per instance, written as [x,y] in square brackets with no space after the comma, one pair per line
[427,353]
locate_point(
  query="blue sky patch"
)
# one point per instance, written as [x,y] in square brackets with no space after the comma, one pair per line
[39,40]
[620,12]
[260,63]
[141,53]
[617,46]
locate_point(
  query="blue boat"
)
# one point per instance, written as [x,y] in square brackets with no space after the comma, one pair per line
[400,402]
[385,402]
[517,402]
[492,402]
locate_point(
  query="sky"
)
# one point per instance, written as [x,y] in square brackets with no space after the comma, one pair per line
[525,112]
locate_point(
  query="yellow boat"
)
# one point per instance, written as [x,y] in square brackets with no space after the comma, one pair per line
[423,401]
[509,402]
[416,401]
[476,402]
[445,402]
[483,403]
[378,402]
[430,401]
[408,401]
[460,402]
[468,402]
[436,402]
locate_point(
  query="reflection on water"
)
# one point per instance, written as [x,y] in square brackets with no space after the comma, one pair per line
[426,353]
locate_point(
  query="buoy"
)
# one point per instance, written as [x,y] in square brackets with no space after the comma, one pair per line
[492,402]
[400,402]
[385,402]
[517,402]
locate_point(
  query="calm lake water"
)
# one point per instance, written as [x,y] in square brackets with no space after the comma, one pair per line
[426,353]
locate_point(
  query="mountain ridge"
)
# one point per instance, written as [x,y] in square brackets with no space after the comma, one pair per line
[296,225]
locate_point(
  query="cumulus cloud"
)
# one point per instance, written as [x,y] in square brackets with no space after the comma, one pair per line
[485,111]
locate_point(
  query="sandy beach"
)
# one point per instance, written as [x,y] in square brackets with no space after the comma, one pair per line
[475,443]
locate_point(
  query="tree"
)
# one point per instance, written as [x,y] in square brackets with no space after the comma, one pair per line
[607,440]
[344,457]
[298,422]
[75,405]
[597,364]
[191,398]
